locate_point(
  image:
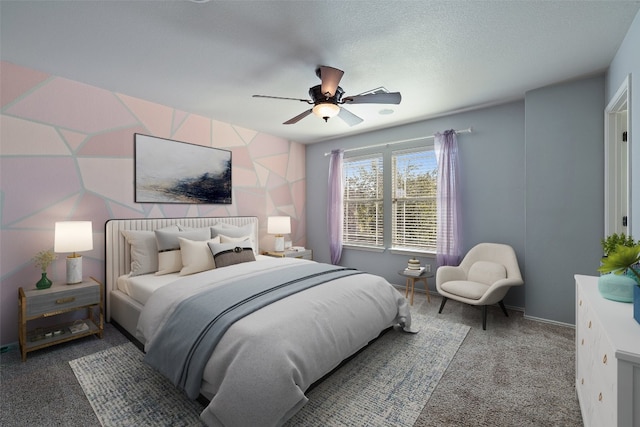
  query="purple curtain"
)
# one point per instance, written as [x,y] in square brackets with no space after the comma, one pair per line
[334,205]
[448,235]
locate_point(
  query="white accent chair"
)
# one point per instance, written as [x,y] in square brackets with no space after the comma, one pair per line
[483,278]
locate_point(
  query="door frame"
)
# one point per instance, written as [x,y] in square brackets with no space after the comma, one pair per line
[616,120]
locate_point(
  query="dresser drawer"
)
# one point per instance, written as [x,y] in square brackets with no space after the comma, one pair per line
[56,299]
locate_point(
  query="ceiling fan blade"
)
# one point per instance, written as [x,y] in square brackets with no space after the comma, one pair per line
[348,117]
[330,79]
[308,101]
[374,98]
[297,118]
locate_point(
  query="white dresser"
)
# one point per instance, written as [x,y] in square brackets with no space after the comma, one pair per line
[607,358]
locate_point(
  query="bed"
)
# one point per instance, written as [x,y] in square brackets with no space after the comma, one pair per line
[255,368]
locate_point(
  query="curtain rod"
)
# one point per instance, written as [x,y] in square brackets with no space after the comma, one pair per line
[469,130]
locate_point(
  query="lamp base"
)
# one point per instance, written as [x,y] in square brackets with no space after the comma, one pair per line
[278,244]
[74,270]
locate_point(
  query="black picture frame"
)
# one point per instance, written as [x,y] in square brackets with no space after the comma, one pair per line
[169,171]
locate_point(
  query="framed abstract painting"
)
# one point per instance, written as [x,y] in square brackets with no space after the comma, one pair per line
[168,171]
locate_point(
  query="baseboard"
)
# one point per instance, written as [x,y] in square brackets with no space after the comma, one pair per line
[401,288]
[553,322]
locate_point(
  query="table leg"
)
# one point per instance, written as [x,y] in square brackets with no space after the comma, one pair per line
[406,288]
[413,287]
[426,289]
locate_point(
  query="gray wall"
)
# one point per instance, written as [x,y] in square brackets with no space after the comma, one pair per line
[492,181]
[502,178]
[627,61]
[564,193]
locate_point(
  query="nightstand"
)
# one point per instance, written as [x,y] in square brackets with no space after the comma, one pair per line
[411,284]
[306,254]
[58,299]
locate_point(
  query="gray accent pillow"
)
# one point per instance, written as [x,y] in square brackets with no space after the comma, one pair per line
[168,240]
[225,254]
[144,250]
[186,228]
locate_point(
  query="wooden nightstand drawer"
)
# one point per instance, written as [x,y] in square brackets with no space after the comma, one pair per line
[61,298]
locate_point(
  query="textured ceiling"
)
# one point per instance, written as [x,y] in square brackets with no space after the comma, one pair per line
[210,57]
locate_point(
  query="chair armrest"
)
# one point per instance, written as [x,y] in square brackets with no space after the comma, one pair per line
[508,282]
[498,290]
[447,273]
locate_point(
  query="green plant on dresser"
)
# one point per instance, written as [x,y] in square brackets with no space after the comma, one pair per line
[622,265]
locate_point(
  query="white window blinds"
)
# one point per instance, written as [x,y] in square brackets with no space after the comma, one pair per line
[363,201]
[414,199]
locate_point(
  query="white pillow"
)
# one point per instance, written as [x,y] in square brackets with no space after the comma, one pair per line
[169,256]
[231,239]
[144,250]
[244,232]
[196,256]
[169,262]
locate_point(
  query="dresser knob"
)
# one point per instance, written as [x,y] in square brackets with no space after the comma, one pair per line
[604,359]
[600,397]
[580,303]
[589,324]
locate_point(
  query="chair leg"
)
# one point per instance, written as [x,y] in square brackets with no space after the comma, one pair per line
[504,309]
[444,300]
[484,317]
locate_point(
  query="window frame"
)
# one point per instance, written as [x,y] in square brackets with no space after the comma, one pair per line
[375,242]
[428,153]
[387,200]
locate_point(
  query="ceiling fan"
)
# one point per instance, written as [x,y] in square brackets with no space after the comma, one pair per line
[327,98]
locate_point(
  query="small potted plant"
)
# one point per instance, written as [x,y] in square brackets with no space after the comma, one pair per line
[43,260]
[611,243]
[624,261]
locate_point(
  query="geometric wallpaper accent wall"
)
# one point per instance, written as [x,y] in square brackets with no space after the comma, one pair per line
[66,153]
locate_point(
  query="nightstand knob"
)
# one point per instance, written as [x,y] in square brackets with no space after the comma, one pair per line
[65,300]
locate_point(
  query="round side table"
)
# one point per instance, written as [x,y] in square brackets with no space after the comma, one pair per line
[411,284]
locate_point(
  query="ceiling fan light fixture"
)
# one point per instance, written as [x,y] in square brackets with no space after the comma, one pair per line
[326,110]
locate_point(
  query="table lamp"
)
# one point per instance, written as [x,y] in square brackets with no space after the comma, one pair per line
[279,225]
[73,236]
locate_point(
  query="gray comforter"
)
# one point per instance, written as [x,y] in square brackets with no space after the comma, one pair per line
[262,365]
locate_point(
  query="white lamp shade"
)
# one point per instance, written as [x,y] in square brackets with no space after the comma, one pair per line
[279,225]
[326,109]
[73,236]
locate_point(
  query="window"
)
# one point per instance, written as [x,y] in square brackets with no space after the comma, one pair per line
[414,184]
[408,209]
[363,201]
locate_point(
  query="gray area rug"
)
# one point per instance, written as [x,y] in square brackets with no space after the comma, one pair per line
[387,384]
[124,391]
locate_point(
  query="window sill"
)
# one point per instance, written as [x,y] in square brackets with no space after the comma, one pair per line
[364,248]
[415,252]
[395,251]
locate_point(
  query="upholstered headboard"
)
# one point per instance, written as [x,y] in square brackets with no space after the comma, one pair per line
[118,251]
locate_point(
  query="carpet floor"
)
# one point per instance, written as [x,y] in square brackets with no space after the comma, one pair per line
[387,384]
[517,372]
